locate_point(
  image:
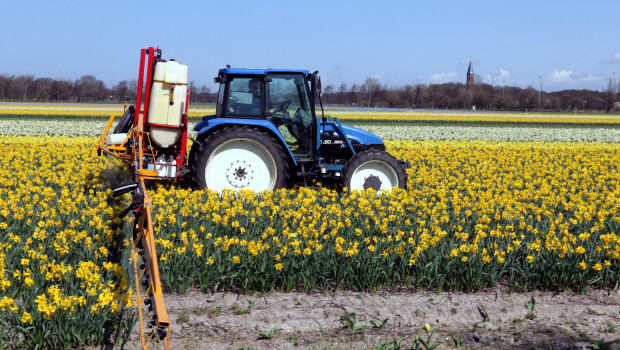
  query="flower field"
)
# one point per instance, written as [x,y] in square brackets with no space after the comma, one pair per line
[476,213]
[92,127]
[494,133]
[390,130]
[60,282]
[358,116]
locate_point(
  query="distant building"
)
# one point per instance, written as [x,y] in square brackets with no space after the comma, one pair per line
[470,74]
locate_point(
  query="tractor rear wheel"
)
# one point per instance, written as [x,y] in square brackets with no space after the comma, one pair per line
[374,169]
[237,158]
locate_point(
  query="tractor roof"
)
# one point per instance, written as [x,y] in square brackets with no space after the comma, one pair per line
[259,71]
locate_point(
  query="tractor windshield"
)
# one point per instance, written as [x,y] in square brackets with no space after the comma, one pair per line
[288,101]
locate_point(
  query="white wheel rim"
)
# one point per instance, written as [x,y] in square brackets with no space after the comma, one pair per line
[371,173]
[241,164]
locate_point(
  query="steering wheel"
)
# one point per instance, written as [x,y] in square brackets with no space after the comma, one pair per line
[283,106]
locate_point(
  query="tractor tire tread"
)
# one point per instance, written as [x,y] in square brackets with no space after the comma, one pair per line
[202,149]
[372,154]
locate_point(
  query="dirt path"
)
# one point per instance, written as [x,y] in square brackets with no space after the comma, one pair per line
[312,321]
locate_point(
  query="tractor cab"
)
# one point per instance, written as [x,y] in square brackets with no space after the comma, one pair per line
[282,97]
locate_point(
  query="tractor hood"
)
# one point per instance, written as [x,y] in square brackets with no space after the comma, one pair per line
[354,134]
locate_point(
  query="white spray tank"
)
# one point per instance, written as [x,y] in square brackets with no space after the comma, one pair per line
[167,103]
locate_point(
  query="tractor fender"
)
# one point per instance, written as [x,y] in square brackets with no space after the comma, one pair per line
[211,123]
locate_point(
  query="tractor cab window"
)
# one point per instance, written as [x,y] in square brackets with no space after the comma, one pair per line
[288,101]
[244,97]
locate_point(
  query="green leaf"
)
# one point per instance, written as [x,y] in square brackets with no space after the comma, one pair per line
[267,335]
[356,329]
[433,346]
[379,324]
[483,313]
[531,304]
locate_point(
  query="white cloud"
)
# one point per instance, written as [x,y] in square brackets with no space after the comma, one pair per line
[444,77]
[560,75]
[613,59]
[497,77]
[584,77]
[566,76]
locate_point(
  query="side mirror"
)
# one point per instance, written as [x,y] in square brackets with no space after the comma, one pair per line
[220,79]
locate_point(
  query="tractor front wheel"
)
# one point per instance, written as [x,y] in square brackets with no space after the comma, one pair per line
[237,158]
[374,169]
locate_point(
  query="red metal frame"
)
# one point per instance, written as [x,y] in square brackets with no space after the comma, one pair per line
[166,126]
[150,52]
[148,58]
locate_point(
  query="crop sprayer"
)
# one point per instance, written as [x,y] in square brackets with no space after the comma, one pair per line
[264,135]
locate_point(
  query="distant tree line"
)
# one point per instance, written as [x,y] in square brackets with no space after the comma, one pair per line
[85,89]
[372,94]
[369,94]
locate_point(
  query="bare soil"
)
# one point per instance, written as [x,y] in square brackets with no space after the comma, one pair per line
[484,320]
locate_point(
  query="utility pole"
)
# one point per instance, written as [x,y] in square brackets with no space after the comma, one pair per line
[613,83]
[609,103]
[539,91]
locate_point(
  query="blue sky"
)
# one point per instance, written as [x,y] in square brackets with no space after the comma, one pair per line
[570,44]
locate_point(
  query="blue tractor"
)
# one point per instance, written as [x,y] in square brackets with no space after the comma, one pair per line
[265,135]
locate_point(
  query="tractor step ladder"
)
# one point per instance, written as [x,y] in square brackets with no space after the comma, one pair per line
[146,270]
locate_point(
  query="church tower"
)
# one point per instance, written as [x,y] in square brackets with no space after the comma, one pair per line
[470,74]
